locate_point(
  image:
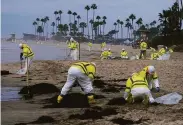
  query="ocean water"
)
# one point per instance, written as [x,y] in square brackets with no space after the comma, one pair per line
[10,52]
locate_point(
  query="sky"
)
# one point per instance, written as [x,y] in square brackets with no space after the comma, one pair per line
[17,16]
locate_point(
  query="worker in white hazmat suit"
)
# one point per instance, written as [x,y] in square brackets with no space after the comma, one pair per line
[84,73]
[26,54]
[73,45]
[137,89]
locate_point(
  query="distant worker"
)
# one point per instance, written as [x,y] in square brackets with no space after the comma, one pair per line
[154,54]
[90,46]
[103,45]
[162,51]
[137,88]
[143,48]
[73,45]
[151,76]
[109,54]
[104,54]
[26,54]
[124,54]
[84,73]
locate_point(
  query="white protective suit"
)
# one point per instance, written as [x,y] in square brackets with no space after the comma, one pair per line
[84,81]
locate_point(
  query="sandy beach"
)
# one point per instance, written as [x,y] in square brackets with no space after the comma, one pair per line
[108,86]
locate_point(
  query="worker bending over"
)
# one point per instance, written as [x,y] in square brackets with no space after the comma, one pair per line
[84,73]
[26,54]
[103,45]
[154,54]
[105,54]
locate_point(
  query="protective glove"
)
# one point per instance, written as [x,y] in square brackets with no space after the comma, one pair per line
[157,89]
[59,99]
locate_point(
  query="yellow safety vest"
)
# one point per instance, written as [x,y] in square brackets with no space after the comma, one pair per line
[87,68]
[109,53]
[104,54]
[154,56]
[124,53]
[162,51]
[136,81]
[90,44]
[73,45]
[27,51]
[143,46]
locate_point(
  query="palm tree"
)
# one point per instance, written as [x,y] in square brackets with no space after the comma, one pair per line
[69,12]
[74,14]
[39,30]
[83,26]
[65,29]
[94,7]
[78,17]
[98,18]
[132,17]
[91,22]
[121,23]
[46,21]
[53,25]
[139,22]
[127,25]
[35,26]
[154,22]
[56,12]
[37,19]
[43,24]
[104,23]
[57,22]
[115,24]
[87,8]
[60,13]
[118,22]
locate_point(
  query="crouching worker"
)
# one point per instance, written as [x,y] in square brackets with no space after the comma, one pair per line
[124,54]
[137,89]
[84,73]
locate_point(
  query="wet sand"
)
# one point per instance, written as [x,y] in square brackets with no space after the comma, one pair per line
[109,109]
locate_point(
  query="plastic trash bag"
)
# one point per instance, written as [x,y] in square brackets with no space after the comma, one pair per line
[169,99]
[164,57]
[21,71]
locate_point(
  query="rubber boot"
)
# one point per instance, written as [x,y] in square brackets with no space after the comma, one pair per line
[130,99]
[146,100]
[59,99]
[91,99]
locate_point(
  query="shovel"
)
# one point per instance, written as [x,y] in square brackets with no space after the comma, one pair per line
[28,95]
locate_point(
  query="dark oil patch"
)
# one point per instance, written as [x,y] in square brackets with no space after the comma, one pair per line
[117,101]
[21,124]
[94,114]
[43,119]
[42,88]
[110,89]
[122,121]
[5,72]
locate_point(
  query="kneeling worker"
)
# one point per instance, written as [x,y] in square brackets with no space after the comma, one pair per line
[84,73]
[124,54]
[137,88]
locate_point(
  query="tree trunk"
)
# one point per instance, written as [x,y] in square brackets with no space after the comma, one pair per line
[121,32]
[93,21]
[70,23]
[103,29]
[88,25]
[118,32]
[78,24]
[92,31]
[60,19]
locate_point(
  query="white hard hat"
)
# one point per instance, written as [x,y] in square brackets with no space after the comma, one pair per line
[20,45]
[150,69]
[71,39]
[123,49]
[109,49]
[105,49]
